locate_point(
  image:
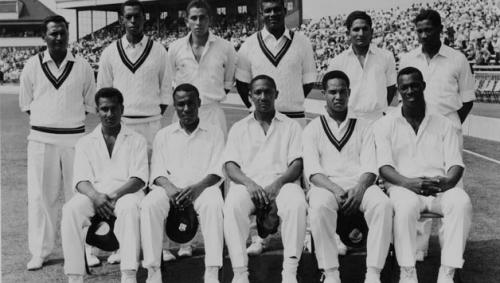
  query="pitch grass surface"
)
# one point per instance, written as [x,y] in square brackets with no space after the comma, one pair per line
[482,256]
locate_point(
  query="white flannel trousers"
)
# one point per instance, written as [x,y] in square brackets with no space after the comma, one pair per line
[154,211]
[76,216]
[456,208]
[323,211]
[238,207]
[50,169]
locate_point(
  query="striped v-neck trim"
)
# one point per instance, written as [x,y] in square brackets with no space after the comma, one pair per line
[347,136]
[275,60]
[134,66]
[56,82]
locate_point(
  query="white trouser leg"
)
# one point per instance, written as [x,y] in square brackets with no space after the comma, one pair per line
[378,212]
[47,165]
[146,129]
[456,208]
[76,214]
[323,210]
[127,229]
[237,209]
[407,207]
[154,210]
[209,207]
[292,206]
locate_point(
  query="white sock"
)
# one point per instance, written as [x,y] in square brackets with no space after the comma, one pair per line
[240,270]
[290,264]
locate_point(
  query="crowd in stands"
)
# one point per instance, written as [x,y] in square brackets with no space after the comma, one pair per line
[471,26]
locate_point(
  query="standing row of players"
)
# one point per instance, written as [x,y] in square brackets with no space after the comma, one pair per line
[57,89]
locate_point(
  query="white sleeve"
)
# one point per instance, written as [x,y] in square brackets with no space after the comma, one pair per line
[105,73]
[26,86]
[243,65]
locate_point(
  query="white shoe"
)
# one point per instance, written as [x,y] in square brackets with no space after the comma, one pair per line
[185,251]
[75,278]
[168,256]
[331,276]
[420,255]
[446,274]
[154,275]
[129,276]
[256,247]
[408,275]
[211,274]
[114,258]
[288,277]
[35,263]
[92,260]
[241,278]
[341,247]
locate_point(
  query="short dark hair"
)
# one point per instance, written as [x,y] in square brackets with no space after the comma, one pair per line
[200,4]
[263,77]
[429,14]
[279,1]
[355,16]
[135,3]
[186,88]
[53,19]
[110,93]
[336,74]
[411,70]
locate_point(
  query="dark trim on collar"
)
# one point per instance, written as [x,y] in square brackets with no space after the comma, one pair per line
[134,66]
[347,136]
[56,82]
[275,60]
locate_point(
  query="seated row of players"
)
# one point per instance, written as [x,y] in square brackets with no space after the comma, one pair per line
[416,152]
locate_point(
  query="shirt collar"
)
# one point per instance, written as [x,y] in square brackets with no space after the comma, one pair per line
[201,127]
[333,122]
[371,49]
[399,116]
[47,57]
[266,34]
[277,116]
[127,44]
[211,38]
[443,51]
[97,133]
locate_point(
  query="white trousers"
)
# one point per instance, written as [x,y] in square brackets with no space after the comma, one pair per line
[154,211]
[456,208]
[146,129]
[212,114]
[238,207]
[323,211]
[76,216]
[50,169]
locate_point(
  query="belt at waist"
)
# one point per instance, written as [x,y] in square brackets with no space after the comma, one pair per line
[136,117]
[294,115]
[62,131]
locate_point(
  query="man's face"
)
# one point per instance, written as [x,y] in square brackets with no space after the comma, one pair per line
[411,88]
[56,37]
[263,95]
[186,105]
[337,95]
[360,33]
[109,111]
[273,14]
[198,21]
[428,34]
[133,20]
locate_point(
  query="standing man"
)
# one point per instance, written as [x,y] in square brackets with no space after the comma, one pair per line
[111,168]
[282,54]
[56,90]
[263,160]
[185,170]
[449,80]
[340,162]
[372,70]
[204,60]
[419,156]
[136,65]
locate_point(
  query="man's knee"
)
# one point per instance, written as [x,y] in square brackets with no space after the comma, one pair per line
[211,200]
[321,200]
[128,203]
[457,199]
[405,203]
[236,196]
[154,200]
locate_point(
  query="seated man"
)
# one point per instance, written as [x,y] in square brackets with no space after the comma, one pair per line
[185,169]
[111,168]
[340,163]
[419,156]
[263,159]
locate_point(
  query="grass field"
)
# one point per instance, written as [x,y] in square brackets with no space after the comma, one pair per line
[482,255]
